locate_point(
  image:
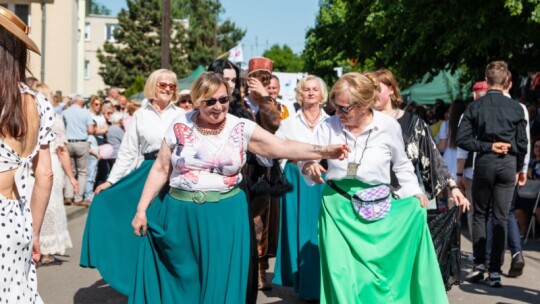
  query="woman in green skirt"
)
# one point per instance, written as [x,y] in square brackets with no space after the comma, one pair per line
[108,242]
[297,258]
[375,248]
[196,250]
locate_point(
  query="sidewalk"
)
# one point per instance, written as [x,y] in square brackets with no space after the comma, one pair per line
[524,289]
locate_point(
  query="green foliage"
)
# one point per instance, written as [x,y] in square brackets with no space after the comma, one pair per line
[415,37]
[97,8]
[136,87]
[137,50]
[284,59]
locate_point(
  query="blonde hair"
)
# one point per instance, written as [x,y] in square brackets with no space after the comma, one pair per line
[302,83]
[44,90]
[363,89]
[91,103]
[132,106]
[151,83]
[206,85]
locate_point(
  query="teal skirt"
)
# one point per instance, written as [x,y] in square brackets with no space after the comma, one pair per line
[387,261]
[195,253]
[109,244]
[298,260]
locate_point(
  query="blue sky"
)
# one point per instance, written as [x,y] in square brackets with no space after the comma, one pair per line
[267,22]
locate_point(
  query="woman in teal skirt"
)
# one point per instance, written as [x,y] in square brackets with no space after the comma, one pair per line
[196,250]
[382,257]
[298,260]
[108,242]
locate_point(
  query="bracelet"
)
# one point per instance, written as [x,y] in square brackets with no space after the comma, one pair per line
[459,174]
[454,187]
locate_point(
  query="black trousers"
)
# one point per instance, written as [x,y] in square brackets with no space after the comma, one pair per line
[492,189]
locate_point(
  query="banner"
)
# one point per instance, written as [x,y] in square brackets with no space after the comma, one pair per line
[236,55]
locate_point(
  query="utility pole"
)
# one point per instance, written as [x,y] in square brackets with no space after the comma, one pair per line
[166,35]
[216,11]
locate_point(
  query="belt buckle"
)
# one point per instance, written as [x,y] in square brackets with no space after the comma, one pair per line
[198,197]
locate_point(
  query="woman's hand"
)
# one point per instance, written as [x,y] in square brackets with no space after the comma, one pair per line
[36,250]
[461,201]
[75,183]
[423,199]
[314,171]
[337,152]
[139,223]
[102,187]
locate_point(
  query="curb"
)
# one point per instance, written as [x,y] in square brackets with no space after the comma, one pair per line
[74,212]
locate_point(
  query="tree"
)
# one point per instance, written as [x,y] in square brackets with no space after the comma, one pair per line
[206,35]
[97,8]
[284,59]
[415,37]
[137,47]
[136,50]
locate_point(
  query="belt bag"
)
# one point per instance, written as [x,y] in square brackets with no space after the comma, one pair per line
[371,204]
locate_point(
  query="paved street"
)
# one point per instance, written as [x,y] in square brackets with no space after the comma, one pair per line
[66,282]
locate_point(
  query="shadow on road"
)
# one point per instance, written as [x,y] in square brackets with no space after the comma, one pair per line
[99,292]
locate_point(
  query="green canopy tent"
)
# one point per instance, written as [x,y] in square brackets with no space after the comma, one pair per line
[444,86]
[185,83]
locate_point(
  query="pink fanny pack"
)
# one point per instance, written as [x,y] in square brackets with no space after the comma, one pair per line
[371,204]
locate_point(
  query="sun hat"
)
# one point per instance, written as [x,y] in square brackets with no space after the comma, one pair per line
[260,64]
[17,27]
[184,92]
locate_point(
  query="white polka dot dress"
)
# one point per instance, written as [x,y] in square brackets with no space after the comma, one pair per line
[18,283]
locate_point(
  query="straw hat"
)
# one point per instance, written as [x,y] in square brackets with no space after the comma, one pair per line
[260,64]
[16,26]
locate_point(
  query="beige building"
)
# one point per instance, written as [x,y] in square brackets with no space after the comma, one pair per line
[68,44]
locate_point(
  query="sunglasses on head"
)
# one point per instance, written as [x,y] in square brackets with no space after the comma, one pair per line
[344,109]
[163,86]
[212,101]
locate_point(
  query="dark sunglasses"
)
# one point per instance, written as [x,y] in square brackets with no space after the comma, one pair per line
[185,100]
[212,101]
[344,109]
[163,86]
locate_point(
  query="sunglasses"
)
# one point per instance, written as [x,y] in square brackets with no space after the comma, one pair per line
[185,101]
[108,113]
[212,101]
[344,109]
[163,86]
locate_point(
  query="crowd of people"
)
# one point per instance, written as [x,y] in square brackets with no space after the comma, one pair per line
[190,192]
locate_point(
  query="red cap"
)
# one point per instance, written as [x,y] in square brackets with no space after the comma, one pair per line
[480,86]
[260,63]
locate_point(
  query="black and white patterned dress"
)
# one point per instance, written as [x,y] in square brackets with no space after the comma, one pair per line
[18,282]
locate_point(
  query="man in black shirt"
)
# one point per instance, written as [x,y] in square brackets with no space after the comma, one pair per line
[494,126]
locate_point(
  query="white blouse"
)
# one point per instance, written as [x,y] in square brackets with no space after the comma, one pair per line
[296,127]
[145,134]
[374,154]
[208,162]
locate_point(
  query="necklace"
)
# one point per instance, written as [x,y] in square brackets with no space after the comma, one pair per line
[206,131]
[312,122]
[352,167]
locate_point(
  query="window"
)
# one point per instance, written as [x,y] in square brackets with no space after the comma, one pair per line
[87,31]
[22,10]
[109,31]
[87,69]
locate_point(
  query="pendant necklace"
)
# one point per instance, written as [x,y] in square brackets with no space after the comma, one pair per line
[352,167]
[312,123]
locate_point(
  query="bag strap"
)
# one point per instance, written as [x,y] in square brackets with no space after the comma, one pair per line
[339,190]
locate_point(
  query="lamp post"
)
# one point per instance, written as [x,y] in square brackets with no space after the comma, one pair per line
[166,35]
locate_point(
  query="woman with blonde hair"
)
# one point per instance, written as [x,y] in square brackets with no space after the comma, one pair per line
[54,235]
[297,260]
[375,248]
[107,226]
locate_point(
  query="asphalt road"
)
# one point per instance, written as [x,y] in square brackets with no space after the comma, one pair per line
[65,282]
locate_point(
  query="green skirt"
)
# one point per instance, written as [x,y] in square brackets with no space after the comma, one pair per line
[195,253]
[298,260]
[387,261]
[108,241]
